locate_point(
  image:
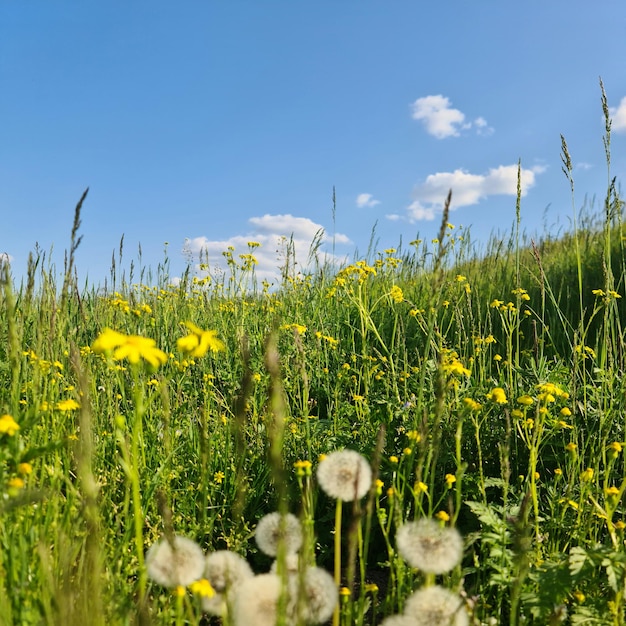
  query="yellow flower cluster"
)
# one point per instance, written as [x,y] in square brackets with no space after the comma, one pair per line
[131,347]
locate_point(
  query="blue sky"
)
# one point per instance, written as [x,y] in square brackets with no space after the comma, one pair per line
[206,124]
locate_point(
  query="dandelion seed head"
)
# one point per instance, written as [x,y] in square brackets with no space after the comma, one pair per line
[225,570]
[274,529]
[436,606]
[318,596]
[344,475]
[256,601]
[175,565]
[292,564]
[428,546]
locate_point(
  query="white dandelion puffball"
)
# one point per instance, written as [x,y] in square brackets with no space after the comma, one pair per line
[436,606]
[224,570]
[256,601]
[345,475]
[275,528]
[429,547]
[317,597]
[172,565]
[292,564]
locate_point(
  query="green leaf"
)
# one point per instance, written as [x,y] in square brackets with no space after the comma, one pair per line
[577,560]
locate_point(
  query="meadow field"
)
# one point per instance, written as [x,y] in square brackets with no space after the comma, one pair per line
[147,428]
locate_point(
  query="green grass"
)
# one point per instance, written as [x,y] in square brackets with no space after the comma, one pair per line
[417,358]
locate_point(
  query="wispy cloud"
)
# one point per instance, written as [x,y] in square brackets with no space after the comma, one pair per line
[366,200]
[442,121]
[467,189]
[278,236]
[618,115]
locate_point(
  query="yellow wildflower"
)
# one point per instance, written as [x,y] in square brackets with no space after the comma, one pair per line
[8,426]
[442,516]
[450,480]
[420,487]
[587,475]
[497,395]
[199,341]
[396,294]
[24,468]
[472,405]
[526,400]
[202,588]
[67,405]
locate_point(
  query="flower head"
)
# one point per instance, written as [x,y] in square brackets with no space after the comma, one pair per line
[497,395]
[199,341]
[275,528]
[436,606]
[225,570]
[345,475]
[131,347]
[8,426]
[428,546]
[316,597]
[256,601]
[177,564]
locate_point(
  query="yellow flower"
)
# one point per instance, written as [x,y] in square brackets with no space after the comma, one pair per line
[131,347]
[565,412]
[298,328]
[8,426]
[497,395]
[202,588]
[420,487]
[558,472]
[303,468]
[496,304]
[450,480]
[393,459]
[587,475]
[67,405]
[136,348]
[443,516]
[396,294]
[199,341]
[620,525]
[611,492]
[580,596]
[108,340]
[526,400]
[24,468]
[471,404]
[218,477]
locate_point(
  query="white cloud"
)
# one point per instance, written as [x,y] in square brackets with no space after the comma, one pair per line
[416,212]
[618,115]
[467,189]
[482,128]
[366,200]
[582,165]
[276,234]
[441,120]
